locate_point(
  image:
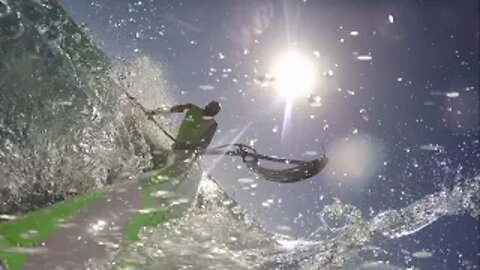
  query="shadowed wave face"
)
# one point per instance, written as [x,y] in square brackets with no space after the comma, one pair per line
[65,126]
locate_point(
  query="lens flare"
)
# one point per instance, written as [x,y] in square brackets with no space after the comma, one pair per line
[294,75]
[355,161]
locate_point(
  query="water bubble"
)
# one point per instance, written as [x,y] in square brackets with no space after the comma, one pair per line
[275,129]
[354,33]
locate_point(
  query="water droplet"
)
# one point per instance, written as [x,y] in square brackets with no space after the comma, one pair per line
[390,18]
[328,73]
[315,101]
[354,33]
[364,57]
[206,87]
[283,228]
[453,94]
[422,254]
[7,217]
[245,180]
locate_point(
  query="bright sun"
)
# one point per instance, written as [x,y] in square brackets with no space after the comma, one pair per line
[294,75]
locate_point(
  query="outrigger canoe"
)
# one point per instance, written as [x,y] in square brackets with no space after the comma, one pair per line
[69,234]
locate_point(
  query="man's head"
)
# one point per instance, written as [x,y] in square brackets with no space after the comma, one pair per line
[212,108]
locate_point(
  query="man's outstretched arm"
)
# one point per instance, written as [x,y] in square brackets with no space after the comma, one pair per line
[175,109]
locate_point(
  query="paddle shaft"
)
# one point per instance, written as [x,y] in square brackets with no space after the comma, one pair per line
[149,117]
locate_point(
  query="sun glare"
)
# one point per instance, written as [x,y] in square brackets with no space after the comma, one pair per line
[294,75]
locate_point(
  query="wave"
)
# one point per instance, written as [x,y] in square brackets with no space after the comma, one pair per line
[65,123]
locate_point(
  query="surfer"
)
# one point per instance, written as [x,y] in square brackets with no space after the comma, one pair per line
[196,130]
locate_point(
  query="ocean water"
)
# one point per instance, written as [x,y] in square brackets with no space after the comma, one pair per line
[66,126]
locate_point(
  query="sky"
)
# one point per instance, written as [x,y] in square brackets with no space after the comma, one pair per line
[396,99]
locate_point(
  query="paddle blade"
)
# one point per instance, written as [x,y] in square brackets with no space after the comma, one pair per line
[301,171]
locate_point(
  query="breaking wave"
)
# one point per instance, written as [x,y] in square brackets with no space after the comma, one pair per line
[218,234]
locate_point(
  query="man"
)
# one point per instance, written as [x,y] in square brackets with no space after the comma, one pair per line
[197,128]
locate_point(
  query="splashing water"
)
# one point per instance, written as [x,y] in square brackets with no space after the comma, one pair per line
[218,234]
[65,124]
